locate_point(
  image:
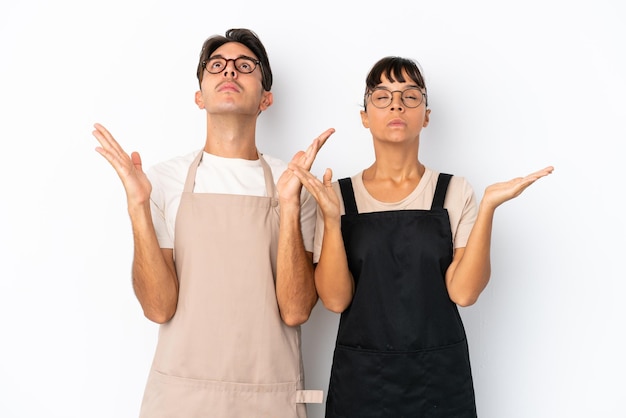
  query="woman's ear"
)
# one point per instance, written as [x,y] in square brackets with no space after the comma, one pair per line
[364,119]
[426,118]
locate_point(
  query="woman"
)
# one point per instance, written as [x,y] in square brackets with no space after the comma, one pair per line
[398,247]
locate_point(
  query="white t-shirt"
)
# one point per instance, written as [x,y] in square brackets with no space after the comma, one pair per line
[460,202]
[216,175]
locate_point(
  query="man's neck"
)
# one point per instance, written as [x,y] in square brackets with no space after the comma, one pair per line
[231,137]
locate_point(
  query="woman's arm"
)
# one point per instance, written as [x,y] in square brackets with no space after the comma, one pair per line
[470,270]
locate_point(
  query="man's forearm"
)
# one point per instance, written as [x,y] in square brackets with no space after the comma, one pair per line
[154,276]
[295,285]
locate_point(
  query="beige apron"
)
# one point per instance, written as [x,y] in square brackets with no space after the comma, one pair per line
[226,352]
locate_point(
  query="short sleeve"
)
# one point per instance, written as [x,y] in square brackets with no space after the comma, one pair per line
[462,208]
[158,212]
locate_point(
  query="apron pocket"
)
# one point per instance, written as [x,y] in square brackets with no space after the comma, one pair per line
[178,397]
[426,383]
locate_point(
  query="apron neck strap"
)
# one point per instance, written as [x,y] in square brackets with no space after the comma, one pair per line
[190,182]
[440,190]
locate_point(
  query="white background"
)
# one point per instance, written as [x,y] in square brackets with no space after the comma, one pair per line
[513,86]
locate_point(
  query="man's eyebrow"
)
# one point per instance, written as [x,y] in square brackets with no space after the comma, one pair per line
[240,56]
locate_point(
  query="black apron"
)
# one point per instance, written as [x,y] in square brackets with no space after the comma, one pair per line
[401,348]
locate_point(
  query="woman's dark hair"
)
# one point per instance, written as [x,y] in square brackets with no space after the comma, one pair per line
[245,37]
[393,68]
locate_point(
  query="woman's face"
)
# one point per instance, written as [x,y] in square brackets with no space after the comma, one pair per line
[395,111]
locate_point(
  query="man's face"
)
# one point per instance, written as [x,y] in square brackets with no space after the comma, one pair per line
[231,90]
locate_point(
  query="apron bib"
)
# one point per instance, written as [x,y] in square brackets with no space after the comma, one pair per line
[401,349]
[227,352]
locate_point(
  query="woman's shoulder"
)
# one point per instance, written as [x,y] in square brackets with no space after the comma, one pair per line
[456,181]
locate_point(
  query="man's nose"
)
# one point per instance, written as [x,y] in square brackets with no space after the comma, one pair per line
[230,70]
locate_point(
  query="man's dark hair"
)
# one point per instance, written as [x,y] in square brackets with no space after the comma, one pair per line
[245,37]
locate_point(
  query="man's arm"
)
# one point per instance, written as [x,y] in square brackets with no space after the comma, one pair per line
[154,276]
[295,284]
[295,287]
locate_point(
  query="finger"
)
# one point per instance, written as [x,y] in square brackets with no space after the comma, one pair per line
[101,133]
[106,139]
[308,181]
[328,177]
[112,155]
[299,158]
[113,152]
[316,145]
[306,178]
[541,173]
[136,159]
[312,149]
[324,136]
[99,127]
[300,171]
[522,184]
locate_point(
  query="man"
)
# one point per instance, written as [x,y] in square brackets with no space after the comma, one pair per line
[223,253]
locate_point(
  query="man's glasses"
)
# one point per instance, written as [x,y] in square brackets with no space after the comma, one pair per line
[243,64]
[382,98]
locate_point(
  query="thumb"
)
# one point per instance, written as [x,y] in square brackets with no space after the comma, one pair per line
[136,159]
[328,176]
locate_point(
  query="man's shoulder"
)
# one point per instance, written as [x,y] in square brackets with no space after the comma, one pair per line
[173,167]
[277,166]
[274,161]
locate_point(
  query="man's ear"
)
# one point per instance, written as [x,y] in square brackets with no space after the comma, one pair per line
[199,100]
[266,100]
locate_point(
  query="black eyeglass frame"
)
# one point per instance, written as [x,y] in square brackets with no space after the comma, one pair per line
[256,62]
